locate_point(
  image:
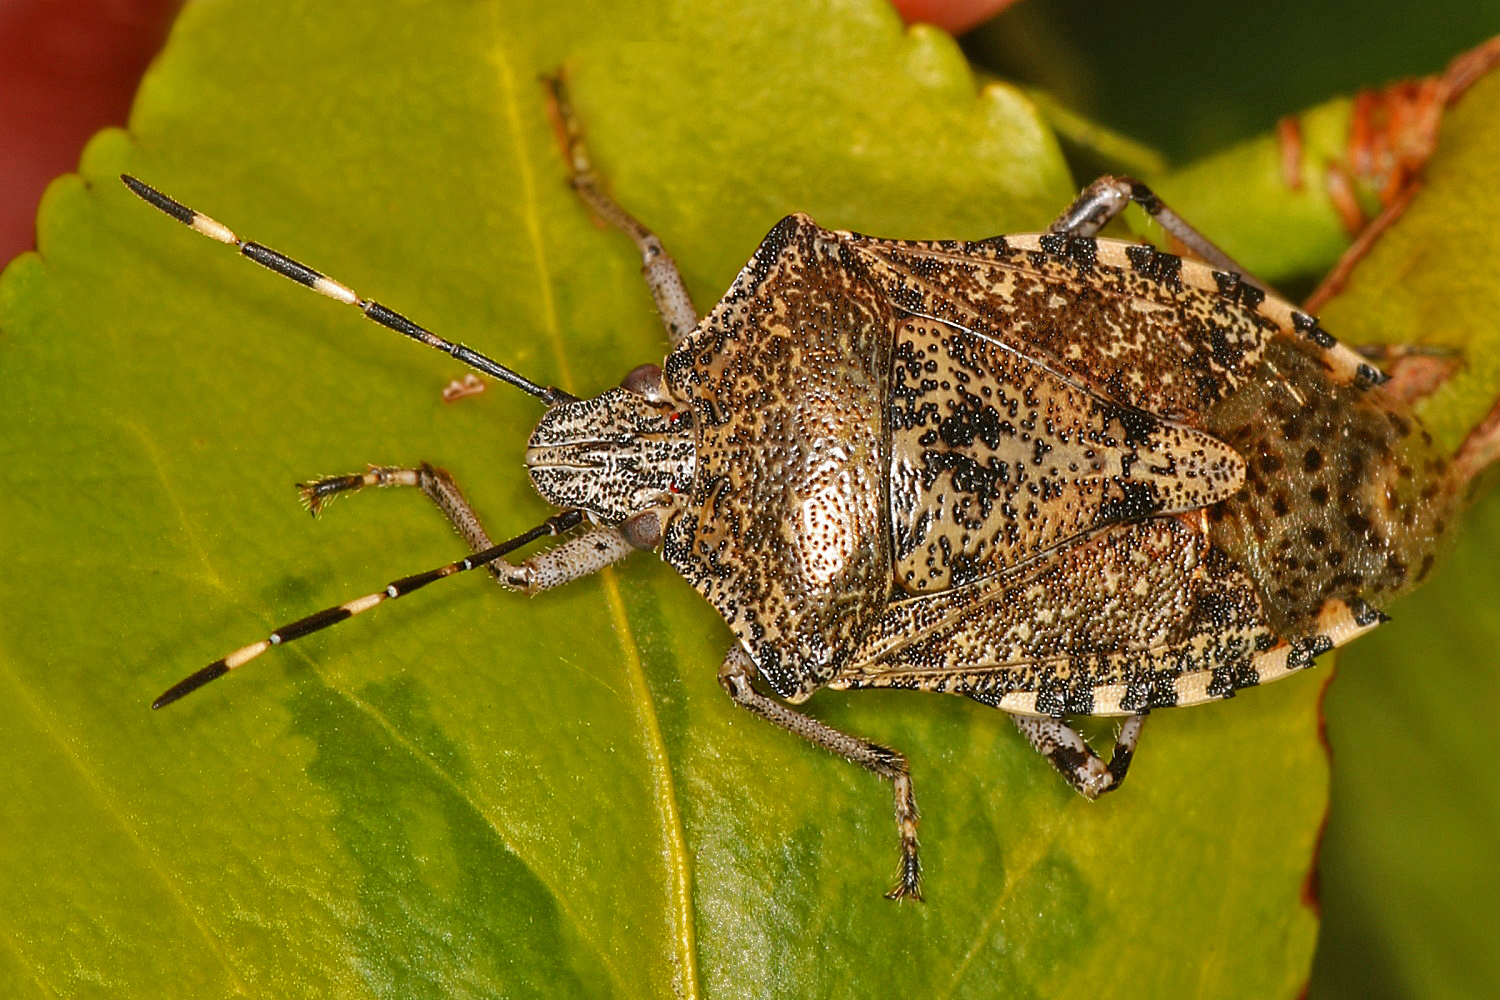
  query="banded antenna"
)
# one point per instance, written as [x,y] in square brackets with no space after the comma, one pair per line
[316,622]
[389,318]
[339,292]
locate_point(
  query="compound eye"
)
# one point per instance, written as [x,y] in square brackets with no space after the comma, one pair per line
[643,530]
[645,381]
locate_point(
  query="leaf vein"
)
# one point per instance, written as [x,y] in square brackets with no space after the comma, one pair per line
[675,850]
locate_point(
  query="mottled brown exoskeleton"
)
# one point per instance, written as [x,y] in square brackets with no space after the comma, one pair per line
[1057,474]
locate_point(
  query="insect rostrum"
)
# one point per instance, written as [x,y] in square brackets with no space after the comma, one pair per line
[1057,474]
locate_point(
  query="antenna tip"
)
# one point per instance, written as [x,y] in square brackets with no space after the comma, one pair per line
[175,209]
[189,684]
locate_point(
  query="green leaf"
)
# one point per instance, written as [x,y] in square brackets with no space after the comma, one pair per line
[469,793]
[1288,237]
[1408,864]
[1431,278]
[1407,861]
[1408,867]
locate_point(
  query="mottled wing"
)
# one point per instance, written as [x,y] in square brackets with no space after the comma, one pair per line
[997,458]
[1135,617]
[1132,324]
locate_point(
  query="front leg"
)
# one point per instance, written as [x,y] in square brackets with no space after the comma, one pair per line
[569,560]
[736,676]
[665,281]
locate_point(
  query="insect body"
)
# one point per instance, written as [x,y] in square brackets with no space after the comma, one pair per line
[1053,473]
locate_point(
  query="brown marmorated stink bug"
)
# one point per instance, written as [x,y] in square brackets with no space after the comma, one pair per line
[1057,474]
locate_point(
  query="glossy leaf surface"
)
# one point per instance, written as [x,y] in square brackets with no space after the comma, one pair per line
[470,793]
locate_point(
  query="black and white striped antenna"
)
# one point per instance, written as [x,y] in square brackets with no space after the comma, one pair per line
[389,318]
[339,292]
[316,622]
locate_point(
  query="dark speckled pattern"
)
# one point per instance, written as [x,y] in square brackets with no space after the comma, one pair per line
[1058,475]
[996,460]
[1347,496]
[786,530]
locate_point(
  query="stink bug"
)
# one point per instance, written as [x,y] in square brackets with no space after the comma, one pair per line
[1059,475]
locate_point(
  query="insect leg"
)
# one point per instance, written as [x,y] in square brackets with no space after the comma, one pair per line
[1107,197]
[1065,748]
[667,288]
[736,677]
[567,561]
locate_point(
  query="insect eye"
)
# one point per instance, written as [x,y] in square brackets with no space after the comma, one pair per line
[645,381]
[643,530]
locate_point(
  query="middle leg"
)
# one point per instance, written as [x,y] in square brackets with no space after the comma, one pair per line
[735,676]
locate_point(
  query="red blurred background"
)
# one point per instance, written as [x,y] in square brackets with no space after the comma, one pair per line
[67,69]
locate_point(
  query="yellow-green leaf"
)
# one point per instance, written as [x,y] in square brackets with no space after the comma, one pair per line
[469,793]
[1409,857]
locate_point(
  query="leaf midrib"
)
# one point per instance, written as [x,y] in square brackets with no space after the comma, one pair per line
[680,917]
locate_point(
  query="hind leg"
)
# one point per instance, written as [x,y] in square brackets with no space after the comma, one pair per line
[1066,748]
